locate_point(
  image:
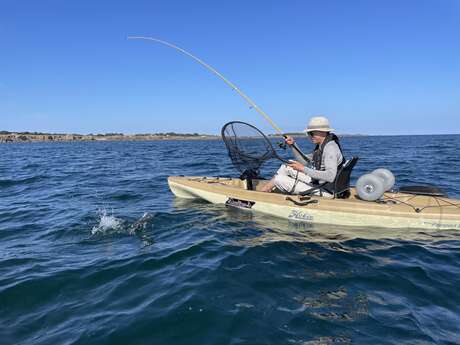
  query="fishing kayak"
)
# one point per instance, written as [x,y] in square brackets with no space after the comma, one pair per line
[393,210]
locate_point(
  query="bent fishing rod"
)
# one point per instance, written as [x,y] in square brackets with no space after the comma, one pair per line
[228,82]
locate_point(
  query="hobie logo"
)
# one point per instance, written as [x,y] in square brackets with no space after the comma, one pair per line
[239,203]
[442,225]
[300,215]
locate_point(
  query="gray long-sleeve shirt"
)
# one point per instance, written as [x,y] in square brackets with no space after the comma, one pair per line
[331,159]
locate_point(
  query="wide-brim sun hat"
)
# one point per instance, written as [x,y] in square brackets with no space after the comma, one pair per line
[318,123]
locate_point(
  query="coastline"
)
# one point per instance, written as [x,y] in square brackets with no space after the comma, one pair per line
[24,137]
[28,137]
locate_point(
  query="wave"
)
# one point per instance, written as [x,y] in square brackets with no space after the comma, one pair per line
[21,181]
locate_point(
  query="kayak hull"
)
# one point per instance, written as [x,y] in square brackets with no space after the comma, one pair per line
[398,211]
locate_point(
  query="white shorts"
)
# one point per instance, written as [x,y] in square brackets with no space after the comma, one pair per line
[291,181]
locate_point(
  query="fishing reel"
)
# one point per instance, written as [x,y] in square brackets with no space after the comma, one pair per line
[282,145]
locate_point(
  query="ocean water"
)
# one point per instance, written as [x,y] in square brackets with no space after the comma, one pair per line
[94,249]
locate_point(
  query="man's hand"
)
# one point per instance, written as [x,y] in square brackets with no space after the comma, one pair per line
[289,140]
[296,165]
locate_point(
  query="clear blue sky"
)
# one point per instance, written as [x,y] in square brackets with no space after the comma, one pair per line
[375,67]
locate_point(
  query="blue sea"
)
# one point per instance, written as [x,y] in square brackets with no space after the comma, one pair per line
[95,249]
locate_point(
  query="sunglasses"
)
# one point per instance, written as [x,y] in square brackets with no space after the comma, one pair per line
[313,133]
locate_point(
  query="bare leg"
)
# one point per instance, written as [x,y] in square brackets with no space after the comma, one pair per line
[269,186]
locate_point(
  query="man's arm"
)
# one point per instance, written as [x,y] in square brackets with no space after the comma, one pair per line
[299,155]
[299,158]
[331,160]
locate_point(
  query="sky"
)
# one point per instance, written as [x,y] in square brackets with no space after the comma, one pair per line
[372,67]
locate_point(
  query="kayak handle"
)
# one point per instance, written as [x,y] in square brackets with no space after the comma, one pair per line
[305,203]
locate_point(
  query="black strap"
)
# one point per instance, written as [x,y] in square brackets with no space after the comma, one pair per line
[318,154]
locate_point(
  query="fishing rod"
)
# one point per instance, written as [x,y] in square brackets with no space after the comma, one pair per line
[228,82]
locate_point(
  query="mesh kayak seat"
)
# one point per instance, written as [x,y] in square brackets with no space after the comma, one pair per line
[340,188]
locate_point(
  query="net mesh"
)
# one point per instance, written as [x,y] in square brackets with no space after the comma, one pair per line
[247,147]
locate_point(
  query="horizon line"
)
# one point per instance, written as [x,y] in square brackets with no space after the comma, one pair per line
[5,132]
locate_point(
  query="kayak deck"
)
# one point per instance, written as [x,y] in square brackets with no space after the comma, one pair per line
[395,210]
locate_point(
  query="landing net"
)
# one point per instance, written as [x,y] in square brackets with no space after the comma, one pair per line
[247,147]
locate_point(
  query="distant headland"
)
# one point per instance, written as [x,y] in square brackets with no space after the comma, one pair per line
[14,137]
[6,137]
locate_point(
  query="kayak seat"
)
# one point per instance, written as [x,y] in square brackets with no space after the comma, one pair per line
[340,188]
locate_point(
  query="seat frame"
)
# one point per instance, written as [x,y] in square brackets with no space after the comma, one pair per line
[340,188]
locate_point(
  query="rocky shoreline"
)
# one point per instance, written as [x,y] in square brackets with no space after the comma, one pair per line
[12,137]
[24,137]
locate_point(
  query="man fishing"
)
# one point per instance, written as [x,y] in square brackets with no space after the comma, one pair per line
[296,177]
[322,165]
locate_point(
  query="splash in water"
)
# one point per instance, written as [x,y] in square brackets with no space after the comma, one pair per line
[107,223]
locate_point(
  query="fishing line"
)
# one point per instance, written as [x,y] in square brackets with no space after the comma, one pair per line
[228,82]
